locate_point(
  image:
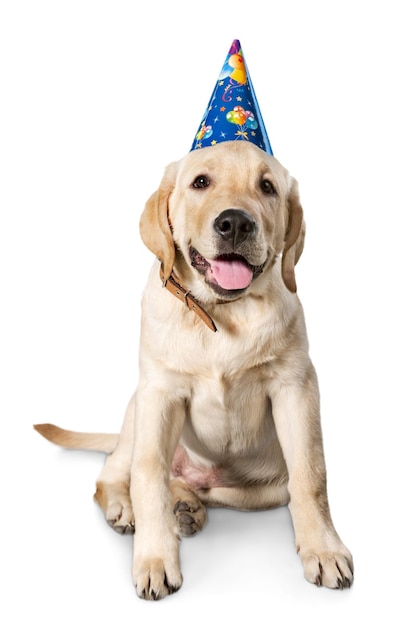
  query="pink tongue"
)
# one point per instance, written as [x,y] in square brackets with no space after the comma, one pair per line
[231,274]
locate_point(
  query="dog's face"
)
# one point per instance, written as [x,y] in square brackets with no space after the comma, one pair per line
[224,214]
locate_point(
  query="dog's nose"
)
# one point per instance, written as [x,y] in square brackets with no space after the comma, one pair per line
[235,225]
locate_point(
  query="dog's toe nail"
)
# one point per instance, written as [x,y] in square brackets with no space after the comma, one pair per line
[181,506]
[188,531]
[122,529]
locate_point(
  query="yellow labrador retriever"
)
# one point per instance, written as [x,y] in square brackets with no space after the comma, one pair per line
[226,412]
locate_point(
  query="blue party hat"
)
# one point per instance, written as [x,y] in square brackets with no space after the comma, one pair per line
[233,112]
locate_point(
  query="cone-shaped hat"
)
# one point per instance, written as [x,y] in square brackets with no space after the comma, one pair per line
[233,112]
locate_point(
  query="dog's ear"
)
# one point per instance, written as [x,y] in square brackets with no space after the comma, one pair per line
[155,227]
[294,238]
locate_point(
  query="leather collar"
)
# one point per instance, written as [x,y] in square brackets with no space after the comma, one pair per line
[176,289]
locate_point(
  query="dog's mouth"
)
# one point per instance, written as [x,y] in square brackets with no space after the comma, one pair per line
[228,274]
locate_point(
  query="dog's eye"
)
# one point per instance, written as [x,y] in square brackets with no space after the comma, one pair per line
[267,186]
[201,182]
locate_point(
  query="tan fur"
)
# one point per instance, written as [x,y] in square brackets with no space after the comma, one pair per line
[78,441]
[230,418]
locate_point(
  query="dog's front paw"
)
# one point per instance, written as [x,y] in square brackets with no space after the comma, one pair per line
[156,578]
[115,501]
[328,568]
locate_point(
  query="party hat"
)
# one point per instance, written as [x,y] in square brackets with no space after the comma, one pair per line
[233,112]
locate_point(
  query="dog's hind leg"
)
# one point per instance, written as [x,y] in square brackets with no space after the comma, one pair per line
[112,488]
[191,515]
[247,498]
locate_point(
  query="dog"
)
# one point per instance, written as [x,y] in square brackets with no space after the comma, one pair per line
[226,412]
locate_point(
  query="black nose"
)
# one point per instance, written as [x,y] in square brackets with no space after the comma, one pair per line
[235,225]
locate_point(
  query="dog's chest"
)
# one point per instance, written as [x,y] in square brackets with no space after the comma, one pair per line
[228,414]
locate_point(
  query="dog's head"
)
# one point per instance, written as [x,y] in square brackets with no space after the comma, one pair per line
[223,215]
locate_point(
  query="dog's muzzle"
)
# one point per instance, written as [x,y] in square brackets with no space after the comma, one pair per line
[229,273]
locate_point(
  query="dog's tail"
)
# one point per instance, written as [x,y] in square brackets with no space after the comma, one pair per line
[99,442]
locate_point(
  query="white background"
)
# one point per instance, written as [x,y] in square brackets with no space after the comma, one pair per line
[97,97]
